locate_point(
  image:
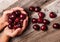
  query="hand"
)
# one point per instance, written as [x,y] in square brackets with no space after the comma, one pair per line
[7,33]
[5,16]
[6,13]
[18,31]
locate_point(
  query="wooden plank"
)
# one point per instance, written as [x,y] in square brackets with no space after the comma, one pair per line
[51,35]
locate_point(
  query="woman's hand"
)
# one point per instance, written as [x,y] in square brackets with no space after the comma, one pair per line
[15,32]
[7,33]
[18,31]
[4,18]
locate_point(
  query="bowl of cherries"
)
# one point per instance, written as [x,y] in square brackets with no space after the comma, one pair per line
[15,19]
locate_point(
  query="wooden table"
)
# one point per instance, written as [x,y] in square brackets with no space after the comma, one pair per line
[52,35]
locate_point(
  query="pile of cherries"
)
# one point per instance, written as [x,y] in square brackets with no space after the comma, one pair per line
[41,19]
[15,19]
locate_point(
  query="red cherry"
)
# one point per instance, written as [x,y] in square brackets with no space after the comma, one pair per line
[22,16]
[21,21]
[56,25]
[34,20]
[46,22]
[15,27]
[10,26]
[17,12]
[10,21]
[37,9]
[41,14]
[36,27]
[17,20]
[40,20]
[52,15]
[31,8]
[12,16]
[20,25]
[43,27]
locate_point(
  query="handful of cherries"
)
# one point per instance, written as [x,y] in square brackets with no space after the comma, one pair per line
[15,19]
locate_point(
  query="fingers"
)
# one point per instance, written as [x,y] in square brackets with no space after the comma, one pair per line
[5,24]
[7,11]
[25,23]
[16,32]
[17,8]
[13,9]
[23,12]
[12,32]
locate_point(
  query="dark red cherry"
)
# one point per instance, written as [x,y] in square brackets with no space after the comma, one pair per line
[34,20]
[37,9]
[19,25]
[15,23]
[36,27]
[40,20]
[56,25]
[10,26]
[12,16]
[21,20]
[22,16]
[15,27]
[46,22]
[52,15]
[43,27]
[41,15]
[31,8]
[10,21]
[17,20]
[17,12]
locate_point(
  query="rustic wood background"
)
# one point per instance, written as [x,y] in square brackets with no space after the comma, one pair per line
[51,35]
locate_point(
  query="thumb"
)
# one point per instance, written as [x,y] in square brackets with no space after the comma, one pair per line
[5,24]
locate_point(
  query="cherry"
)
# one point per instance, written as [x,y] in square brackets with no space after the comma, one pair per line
[15,23]
[40,20]
[21,21]
[12,16]
[19,25]
[10,21]
[41,15]
[37,9]
[34,20]
[17,20]
[17,12]
[22,16]
[31,8]
[46,22]
[36,27]
[56,25]
[52,15]
[10,26]
[15,26]
[43,27]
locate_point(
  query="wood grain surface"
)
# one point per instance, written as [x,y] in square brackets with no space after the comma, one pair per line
[52,35]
